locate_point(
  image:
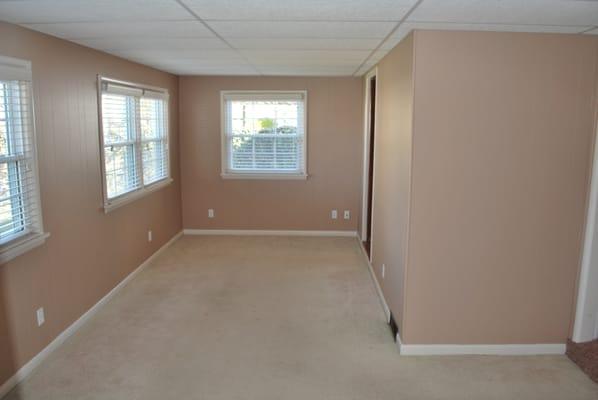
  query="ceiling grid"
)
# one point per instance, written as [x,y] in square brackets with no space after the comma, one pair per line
[280,37]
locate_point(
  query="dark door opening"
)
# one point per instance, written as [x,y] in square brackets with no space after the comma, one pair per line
[370,173]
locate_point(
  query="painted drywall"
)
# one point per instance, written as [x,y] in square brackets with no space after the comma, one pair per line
[88,252]
[392,165]
[502,141]
[334,140]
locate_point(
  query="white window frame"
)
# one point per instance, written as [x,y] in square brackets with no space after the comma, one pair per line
[113,203]
[34,236]
[226,173]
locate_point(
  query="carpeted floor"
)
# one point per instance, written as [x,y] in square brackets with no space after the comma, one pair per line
[585,355]
[226,318]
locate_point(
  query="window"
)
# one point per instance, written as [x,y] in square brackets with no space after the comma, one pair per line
[20,212]
[134,121]
[263,135]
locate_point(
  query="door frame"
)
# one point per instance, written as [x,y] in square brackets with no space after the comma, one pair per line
[585,327]
[366,153]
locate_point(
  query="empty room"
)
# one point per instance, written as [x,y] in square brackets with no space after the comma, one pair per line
[317,199]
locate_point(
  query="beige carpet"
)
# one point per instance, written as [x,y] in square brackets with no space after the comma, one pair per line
[271,319]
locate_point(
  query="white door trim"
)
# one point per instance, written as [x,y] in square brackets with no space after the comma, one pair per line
[585,327]
[366,150]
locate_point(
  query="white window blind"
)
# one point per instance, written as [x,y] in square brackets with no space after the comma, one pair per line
[134,122]
[20,210]
[264,134]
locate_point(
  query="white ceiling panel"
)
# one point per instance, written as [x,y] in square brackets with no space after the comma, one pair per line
[139,43]
[307,71]
[194,67]
[304,44]
[302,29]
[31,11]
[407,27]
[280,37]
[218,55]
[147,30]
[293,10]
[305,57]
[511,12]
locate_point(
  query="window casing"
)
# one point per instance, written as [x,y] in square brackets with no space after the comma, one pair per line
[134,140]
[264,134]
[21,223]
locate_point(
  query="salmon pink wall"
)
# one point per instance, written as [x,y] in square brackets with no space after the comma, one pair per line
[334,140]
[88,252]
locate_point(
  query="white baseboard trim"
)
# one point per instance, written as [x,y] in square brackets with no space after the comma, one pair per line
[26,369]
[479,349]
[385,307]
[253,232]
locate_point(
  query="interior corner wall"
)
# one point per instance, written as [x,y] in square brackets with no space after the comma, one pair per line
[88,252]
[392,173]
[502,144]
[335,147]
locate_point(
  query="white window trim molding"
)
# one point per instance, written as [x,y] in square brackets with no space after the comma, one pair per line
[22,245]
[111,204]
[18,69]
[130,197]
[225,173]
[279,176]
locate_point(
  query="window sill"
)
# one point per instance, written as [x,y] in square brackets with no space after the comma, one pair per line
[265,176]
[21,245]
[127,198]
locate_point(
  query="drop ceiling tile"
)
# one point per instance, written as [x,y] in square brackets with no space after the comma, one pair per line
[329,10]
[304,44]
[511,12]
[148,30]
[494,27]
[308,70]
[32,11]
[406,27]
[302,29]
[305,57]
[207,55]
[203,64]
[138,43]
[224,70]
[190,67]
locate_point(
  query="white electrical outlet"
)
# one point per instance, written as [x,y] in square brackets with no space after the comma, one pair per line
[210,213]
[41,318]
[347,214]
[149,236]
[334,214]
[383,270]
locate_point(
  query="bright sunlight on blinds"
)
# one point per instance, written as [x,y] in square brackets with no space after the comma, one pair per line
[264,134]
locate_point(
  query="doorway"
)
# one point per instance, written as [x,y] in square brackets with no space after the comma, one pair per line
[586,314]
[368,172]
